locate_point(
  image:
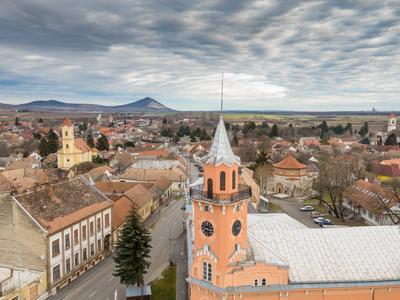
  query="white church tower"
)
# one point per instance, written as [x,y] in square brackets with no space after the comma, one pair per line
[392,122]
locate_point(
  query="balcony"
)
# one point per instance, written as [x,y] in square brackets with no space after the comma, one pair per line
[198,193]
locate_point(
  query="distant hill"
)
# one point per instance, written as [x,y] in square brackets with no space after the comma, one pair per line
[144,105]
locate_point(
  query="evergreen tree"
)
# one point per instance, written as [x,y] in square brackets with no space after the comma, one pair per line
[132,251]
[365,141]
[364,129]
[43,147]
[274,131]
[17,123]
[102,143]
[391,140]
[324,128]
[52,141]
[90,141]
[40,120]
[164,121]
[349,128]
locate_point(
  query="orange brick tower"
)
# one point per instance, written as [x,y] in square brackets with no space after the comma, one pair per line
[220,210]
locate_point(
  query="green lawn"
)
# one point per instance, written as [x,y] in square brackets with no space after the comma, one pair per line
[165,288]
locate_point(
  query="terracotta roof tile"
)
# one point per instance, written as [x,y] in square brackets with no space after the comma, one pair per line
[121,209]
[139,194]
[81,145]
[67,122]
[290,163]
[60,205]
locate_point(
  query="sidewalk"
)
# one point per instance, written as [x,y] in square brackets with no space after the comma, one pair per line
[155,216]
[180,259]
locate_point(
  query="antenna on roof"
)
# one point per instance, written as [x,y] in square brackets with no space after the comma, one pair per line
[222,93]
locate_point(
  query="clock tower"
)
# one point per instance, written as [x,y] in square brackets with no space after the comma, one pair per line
[220,215]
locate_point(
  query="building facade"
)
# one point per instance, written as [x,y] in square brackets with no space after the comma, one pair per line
[74,150]
[236,255]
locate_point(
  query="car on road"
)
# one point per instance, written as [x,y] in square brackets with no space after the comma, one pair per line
[316,214]
[323,221]
[307,208]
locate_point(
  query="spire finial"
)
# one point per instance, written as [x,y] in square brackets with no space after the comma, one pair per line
[222,93]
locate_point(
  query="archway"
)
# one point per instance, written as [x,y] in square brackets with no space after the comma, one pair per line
[279,188]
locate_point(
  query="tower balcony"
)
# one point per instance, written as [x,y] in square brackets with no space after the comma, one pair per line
[199,193]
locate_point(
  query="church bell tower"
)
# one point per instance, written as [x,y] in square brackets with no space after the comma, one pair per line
[220,214]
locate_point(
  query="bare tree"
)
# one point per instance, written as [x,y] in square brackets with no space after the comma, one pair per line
[335,175]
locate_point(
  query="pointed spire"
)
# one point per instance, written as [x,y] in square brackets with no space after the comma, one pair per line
[221,151]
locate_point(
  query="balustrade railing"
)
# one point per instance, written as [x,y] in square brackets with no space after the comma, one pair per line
[198,193]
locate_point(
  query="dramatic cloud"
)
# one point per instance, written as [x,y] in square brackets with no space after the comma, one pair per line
[317,55]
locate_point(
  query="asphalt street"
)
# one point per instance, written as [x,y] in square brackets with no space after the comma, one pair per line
[99,283]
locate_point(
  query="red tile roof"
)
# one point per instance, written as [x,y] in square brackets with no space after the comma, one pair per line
[290,163]
[81,145]
[67,122]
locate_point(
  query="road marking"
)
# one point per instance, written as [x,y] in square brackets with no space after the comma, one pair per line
[110,279]
[92,294]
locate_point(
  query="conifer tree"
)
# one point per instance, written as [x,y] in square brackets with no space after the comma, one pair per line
[391,140]
[52,141]
[274,131]
[102,143]
[90,141]
[132,251]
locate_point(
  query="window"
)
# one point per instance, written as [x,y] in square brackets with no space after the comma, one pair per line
[209,188]
[99,245]
[233,179]
[67,242]
[67,146]
[55,247]
[256,282]
[67,159]
[67,265]
[76,259]
[84,233]
[91,228]
[84,254]
[222,181]
[206,207]
[56,273]
[264,282]
[107,220]
[98,224]
[92,249]
[207,271]
[66,133]
[76,236]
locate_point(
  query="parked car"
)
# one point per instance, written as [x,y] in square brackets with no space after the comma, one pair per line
[315,214]
[307,208]
[322,221]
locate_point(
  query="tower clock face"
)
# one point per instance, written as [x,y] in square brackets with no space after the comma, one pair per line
[207,228]
[236,227]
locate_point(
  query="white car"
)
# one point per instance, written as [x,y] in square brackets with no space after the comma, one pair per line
[307,208]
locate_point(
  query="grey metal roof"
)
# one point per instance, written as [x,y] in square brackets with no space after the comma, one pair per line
[221,151]
[313,255]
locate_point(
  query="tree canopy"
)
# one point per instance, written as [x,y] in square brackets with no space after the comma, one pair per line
[132,251]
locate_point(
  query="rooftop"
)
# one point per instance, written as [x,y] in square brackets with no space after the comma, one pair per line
[59,205]
[221,151]
[290,163]
[313,255]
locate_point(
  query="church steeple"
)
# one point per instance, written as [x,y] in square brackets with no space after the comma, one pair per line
[221,151]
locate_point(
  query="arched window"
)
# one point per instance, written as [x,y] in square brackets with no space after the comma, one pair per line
[207,271]
[222,181]
[233,179]
[256,282]
[66,133]
[264,282]
[209,188]
[67,146]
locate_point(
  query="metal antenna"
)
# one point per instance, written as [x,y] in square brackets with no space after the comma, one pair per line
[222,92]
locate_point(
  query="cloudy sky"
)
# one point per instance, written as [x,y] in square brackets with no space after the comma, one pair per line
[291,55]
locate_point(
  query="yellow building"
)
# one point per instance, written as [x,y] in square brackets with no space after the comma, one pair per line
[74,150]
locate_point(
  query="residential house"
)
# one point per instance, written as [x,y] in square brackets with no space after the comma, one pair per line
[142,200]
[372,203]
[74,220]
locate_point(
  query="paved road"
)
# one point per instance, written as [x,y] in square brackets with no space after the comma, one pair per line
[99,284]
[164,235]
[292,208]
